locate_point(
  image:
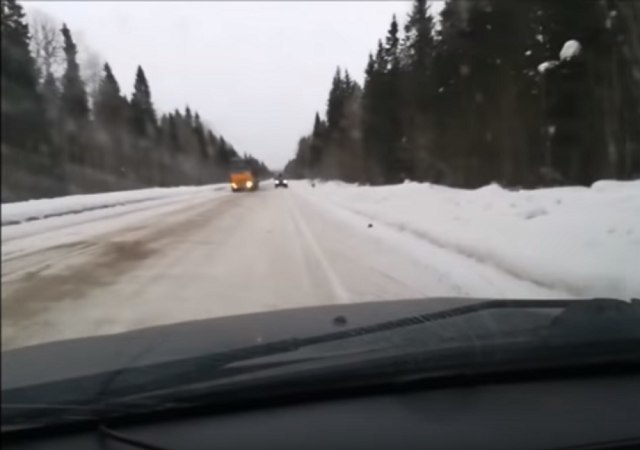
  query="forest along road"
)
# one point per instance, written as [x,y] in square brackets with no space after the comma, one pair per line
[217,254]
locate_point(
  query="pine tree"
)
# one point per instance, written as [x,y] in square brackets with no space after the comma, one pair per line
[467,105]
[316,145]
[188,116]
[335,101]
[419,37]
[622,105]
[453,92]
[373,116]
[180,126]
[318,126]
[415,140]
[144,118]
[109,106]
[163,129]
[348,83]
[51,95]
[23,124]
[173,132]
[392,46]
[395,159]
[350,158]
[213,144]
[48,132]
[381,104]
[198,130]
[74,96]
[188,140]
[578,142]
[381,62]
[223,154]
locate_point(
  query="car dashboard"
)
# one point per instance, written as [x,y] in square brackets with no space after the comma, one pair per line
[575,412]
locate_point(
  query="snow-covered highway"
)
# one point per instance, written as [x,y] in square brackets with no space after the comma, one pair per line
[207,253]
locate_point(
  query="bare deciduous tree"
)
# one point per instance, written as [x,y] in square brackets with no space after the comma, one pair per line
[46,44]
[91,65]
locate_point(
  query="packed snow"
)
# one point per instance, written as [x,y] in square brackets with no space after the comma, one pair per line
[584,241]
[193,253]
[570,50]
[547,65]
[214,253]
[43,208]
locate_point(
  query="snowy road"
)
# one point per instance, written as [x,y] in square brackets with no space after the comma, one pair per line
[212,253]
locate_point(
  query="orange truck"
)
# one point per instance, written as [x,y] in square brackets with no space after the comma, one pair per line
[242,177]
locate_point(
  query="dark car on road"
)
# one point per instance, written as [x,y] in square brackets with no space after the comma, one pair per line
[281,182]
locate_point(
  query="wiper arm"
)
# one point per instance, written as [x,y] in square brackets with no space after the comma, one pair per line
[219,366]
[193,370]
[117,436]
[142,381]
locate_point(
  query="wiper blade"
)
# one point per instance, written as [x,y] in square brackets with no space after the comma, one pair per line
[193,370]
[137,443]
[139,387]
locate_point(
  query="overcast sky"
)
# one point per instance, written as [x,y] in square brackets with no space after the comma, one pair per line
[256,71]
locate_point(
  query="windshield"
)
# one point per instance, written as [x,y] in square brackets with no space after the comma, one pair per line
[267,174]
[239,165]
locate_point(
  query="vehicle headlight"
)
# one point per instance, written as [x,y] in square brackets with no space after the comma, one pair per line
[249,184]
[233,185]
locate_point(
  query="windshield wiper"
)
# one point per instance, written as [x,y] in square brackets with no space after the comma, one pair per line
[120,437]
[192,370]
[173,383]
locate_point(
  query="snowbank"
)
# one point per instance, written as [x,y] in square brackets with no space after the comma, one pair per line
[585,241]
[18,212]
[570,50]
[547,65]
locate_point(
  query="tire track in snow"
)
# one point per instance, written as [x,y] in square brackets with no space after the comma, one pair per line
[301,256]
[87,216]
[338,287]
[433,240]
[110,256]
[375,268]
[476,275]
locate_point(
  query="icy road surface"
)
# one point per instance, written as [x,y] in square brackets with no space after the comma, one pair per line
[212,253]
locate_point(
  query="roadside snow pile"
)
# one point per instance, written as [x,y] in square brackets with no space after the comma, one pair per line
[13,213]
[585,241]
[570,50]
[547,65]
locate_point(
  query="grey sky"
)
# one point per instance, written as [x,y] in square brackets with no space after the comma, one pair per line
[256,71]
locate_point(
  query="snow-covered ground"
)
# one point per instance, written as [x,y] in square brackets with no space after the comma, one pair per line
[170,255]
[585,241]
[18,212]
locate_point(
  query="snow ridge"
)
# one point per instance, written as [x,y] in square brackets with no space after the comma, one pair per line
[584,241]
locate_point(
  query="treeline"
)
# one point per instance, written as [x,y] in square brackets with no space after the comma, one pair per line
[524,93]
[60,137]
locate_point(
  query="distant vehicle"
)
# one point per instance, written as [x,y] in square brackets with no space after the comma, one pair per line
[281,182]
[242,177]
